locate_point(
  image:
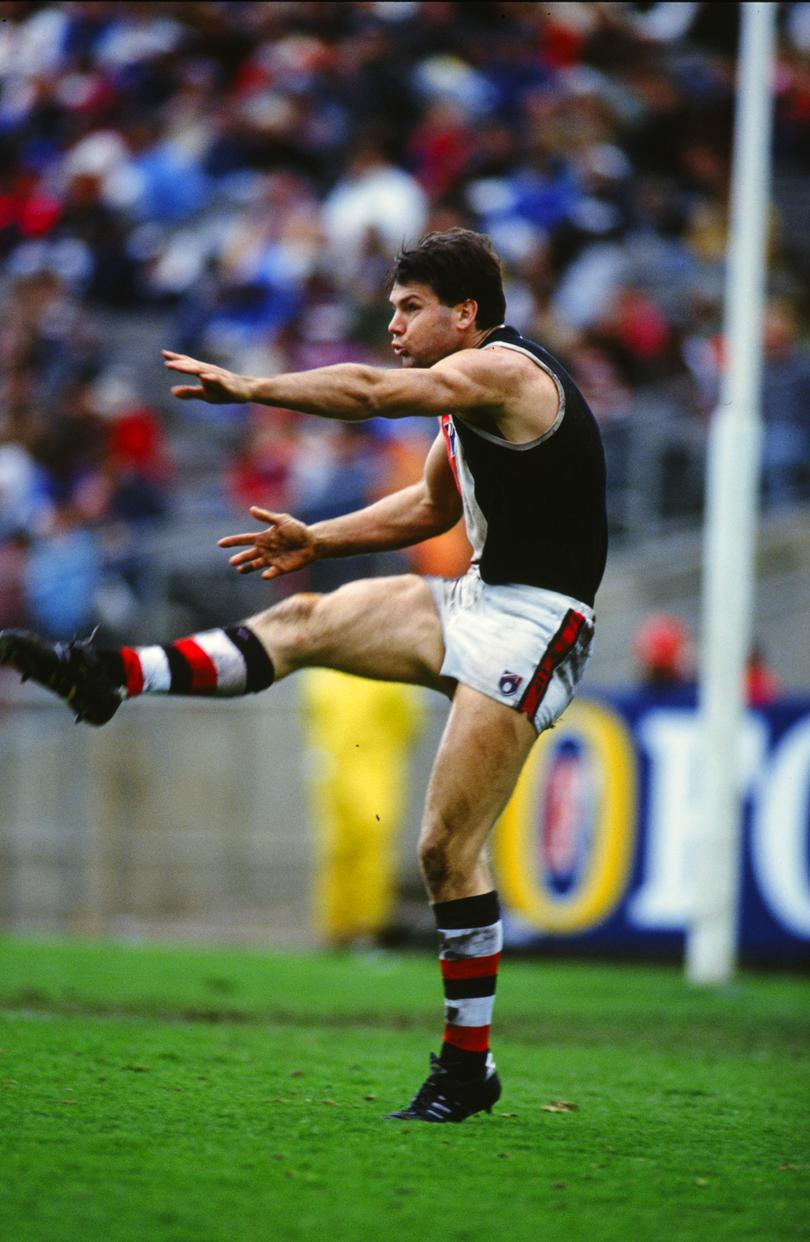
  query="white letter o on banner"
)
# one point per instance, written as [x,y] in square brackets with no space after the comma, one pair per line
[780,828]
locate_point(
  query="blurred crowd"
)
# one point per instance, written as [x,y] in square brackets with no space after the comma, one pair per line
[237,176]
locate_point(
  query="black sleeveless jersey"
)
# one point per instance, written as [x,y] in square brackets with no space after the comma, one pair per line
[535,512]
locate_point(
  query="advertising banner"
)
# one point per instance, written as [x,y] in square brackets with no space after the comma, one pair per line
[597,849]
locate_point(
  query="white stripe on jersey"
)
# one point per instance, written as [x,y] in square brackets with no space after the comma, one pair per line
[474,518]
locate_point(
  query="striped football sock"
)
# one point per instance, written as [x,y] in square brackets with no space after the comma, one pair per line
[226,663]
[470,940]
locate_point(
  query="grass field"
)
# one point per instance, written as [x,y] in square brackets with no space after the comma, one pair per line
[170,1094]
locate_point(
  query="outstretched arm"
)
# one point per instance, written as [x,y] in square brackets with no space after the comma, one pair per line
[465,382]
[427,508]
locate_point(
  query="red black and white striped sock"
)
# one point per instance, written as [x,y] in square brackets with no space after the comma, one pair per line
[470,941]
[226,663]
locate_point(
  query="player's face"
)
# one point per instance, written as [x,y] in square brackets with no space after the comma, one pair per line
[422,328]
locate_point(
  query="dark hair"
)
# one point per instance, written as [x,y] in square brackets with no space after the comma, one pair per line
[456,265]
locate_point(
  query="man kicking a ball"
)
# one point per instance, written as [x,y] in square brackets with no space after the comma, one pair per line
[519,454]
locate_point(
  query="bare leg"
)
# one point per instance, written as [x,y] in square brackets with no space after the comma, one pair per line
[479,760]
[384,628]
[480,757]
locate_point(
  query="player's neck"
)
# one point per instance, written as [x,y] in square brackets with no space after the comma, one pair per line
[479,336]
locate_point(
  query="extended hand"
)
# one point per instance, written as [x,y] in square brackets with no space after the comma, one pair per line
[286,545]
[216,385]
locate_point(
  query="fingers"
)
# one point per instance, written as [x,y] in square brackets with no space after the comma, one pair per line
[186,392]
[264,515]
[210,387]
[252,565]
[247,557]
[251,560]
[254,557]
[236,541]
[248,562]
[182,362]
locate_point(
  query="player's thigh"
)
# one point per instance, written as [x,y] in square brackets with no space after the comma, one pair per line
[386,628]
[482,752]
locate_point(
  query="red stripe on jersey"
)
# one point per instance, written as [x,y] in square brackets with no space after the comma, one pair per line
[559,647]
[203,669]
[470,1038]
[449,433]
[133,671]
[471,967]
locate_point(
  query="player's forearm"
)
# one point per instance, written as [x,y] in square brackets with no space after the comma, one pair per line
[347,391]
[397,521]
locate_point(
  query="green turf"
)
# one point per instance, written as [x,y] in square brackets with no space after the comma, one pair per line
[162,1095]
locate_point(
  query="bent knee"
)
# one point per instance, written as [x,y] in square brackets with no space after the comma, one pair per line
[439,857]
[291,616]
[295,609]
[286,629]
[434,861]
[450,857]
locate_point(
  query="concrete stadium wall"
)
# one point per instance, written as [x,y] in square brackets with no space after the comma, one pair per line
[180,819]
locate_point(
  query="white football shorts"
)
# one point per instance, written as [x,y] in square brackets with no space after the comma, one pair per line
[520,645]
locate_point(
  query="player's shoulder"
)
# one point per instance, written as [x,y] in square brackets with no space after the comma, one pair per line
[507,343]
[517,365]
[498,357]
[508,356]
[494,380]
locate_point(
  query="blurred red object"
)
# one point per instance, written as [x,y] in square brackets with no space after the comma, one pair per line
[762,685]
[661,644]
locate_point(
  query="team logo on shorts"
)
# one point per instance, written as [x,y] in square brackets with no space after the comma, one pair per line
[509,683]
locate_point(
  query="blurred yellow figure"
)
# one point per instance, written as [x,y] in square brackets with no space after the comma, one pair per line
[359,733]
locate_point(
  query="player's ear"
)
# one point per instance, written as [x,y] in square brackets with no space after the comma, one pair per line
[467,312]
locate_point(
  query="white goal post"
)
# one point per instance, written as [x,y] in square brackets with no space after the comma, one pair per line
[732,485]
